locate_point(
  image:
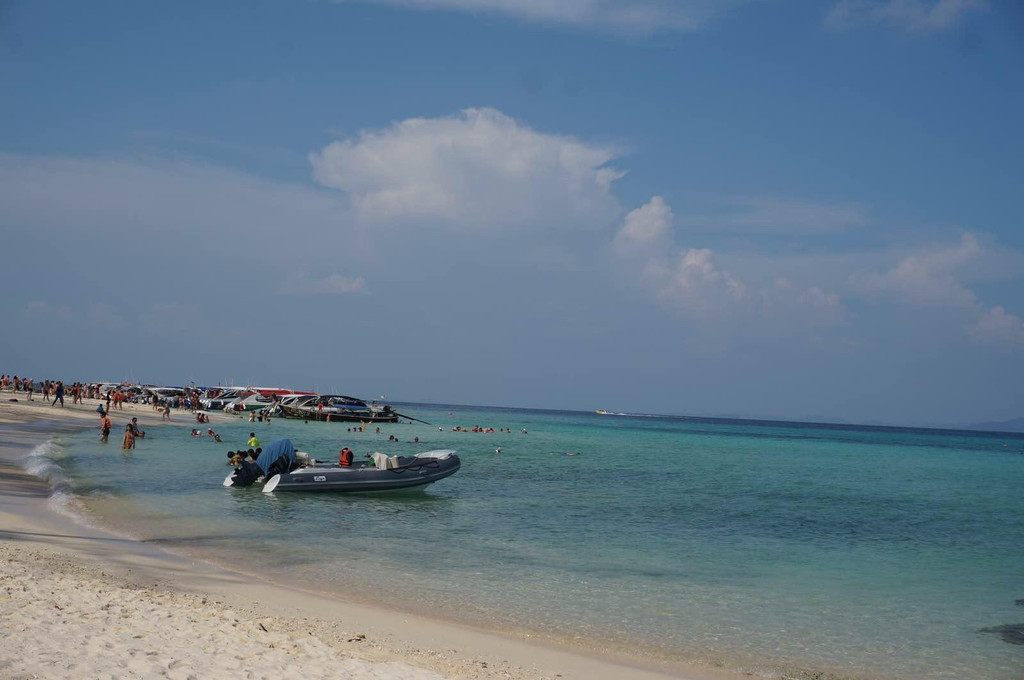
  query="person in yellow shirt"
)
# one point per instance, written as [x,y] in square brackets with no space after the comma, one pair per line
[253,441]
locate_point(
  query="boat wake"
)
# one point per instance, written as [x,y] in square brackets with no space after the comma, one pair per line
[632,415]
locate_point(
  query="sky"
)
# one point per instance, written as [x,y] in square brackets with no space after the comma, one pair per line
[755,208]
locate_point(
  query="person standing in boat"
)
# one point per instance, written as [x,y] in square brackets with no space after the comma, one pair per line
[345,457]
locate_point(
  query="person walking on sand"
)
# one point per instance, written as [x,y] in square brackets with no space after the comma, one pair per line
[59,395]
[129,439]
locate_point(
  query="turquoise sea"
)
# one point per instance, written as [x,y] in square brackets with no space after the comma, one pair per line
[763,546]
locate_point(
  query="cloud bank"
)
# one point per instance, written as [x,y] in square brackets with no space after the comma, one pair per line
[928,276]
[690,280]
[448,188]
[935,277]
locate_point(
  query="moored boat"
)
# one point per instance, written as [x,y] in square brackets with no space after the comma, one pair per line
[252,401]
[285,470]
[340,408]
[223,398]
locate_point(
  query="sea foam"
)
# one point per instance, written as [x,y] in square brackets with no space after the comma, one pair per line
[44,462]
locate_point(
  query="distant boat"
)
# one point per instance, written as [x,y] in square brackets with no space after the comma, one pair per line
[602,413]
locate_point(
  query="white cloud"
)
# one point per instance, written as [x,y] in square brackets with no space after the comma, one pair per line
[102,315]
[479,169]
[935,277]
[929,276]
[777,215]
[913,15]
[646,229]
[693,282]
[783,298]
[997,327]
[37,308]
[40,309]
[174,319]
[336,284]
[635,16]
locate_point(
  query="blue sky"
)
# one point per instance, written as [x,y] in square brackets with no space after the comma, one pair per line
[776,209]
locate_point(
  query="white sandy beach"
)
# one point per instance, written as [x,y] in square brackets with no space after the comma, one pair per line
[77,601]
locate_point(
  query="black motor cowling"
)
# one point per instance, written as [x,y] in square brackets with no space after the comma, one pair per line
[246,474]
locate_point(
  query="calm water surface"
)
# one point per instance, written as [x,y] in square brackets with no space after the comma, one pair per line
[766,546]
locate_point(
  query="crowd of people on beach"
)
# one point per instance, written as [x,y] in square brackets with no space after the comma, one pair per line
[113,397]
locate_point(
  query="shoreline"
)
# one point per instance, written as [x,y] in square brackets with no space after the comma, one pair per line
[40,539]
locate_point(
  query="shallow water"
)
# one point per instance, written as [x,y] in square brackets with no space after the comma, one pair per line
[767,546]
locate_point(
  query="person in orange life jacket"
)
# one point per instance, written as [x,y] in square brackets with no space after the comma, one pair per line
[345,457]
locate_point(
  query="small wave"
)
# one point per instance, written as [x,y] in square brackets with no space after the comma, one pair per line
[43,462]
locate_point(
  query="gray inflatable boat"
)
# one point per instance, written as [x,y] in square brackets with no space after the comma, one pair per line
[379,473]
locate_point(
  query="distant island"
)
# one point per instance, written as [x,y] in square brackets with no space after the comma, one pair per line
[1015,425]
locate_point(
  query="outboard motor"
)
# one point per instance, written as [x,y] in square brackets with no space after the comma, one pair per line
[279,467]
[246,474]
[277,458]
